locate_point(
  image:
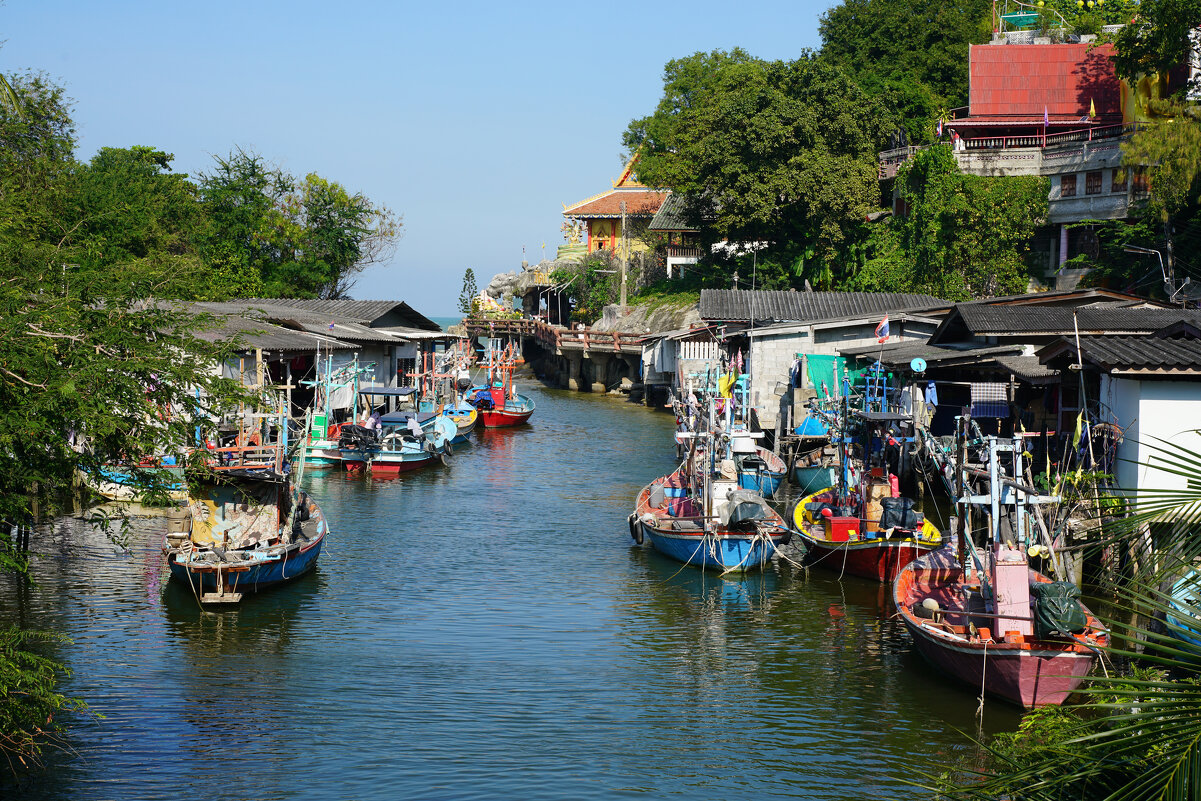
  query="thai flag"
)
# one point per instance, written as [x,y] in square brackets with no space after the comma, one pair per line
[882,330]
[940,128]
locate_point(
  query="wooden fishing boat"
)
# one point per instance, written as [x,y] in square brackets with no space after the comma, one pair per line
[740,532]
[465,417]
[815,464]
[969,638]
[245,528]
[842,538]
[335,390]
[989,619]
[498,402]
[393,449]
[120,482]
[1183,602]
[760,471]
[815,467]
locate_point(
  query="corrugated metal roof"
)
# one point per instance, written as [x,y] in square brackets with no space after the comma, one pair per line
[736,305]
[262,334]
[1028,368]
[983,320]
[1140,353]
[363,311]
[1062,79]
[670,216]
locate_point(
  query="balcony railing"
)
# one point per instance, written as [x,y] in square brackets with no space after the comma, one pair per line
[1092,134]
[891,160]
[683,252]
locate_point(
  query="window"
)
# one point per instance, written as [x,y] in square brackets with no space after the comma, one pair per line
[1092,182]
[1141,184]
[1067,186]
[1118,184]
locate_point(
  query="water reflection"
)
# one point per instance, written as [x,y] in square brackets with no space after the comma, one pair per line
[487,630]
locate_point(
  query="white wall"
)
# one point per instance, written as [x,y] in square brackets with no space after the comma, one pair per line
[1149,411]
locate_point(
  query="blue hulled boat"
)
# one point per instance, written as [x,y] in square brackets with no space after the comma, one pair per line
[244,531]
[1184,601]
[735,530]
[246,526]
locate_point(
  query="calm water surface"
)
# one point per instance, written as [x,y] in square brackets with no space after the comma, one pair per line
[488,630]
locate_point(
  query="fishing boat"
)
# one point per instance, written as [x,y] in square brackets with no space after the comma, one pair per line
[699,515]
[498,402]
[841,538]
[465,417]
[744,533]
[395,448]
[126,483]
[988,618]
[246,527]
[815,463]
[759,470]
[863,526]
[334,390]
[1183,604]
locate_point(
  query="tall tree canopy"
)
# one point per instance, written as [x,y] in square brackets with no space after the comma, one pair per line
[774,152]
[273,235]
[1158,39]
[913,56]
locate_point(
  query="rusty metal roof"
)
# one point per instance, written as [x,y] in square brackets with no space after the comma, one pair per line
[736,305]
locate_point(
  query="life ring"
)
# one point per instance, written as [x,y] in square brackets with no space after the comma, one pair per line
[635,528]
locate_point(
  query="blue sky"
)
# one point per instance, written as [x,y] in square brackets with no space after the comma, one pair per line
[474,121]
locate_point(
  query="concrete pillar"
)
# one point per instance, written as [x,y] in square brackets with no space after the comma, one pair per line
[574,369]
[600,374]
[1063,245]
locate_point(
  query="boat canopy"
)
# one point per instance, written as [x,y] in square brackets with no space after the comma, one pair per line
[400,418]
[388,392]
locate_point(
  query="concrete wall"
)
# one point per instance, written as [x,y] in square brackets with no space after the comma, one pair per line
[1153,410]
[772,356]
[1075,159]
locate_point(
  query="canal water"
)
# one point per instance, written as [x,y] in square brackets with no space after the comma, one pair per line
[488,630]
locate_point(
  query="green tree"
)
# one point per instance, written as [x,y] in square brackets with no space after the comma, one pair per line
[914,59]
[276,236]
[469,291]
[133,216]
[782,153]
[1158,39]
[90,372]
[967,236]
[1170,152]
[591,286]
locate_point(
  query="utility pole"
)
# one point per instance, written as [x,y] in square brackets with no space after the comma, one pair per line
[625,251]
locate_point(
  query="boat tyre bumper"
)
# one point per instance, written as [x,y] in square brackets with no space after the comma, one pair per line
[635,528]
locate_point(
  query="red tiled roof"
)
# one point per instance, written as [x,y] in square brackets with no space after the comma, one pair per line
[1025,79]
[639,203]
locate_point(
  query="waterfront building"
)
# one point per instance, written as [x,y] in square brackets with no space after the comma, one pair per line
[1056,110]
[285,335]
[681,246]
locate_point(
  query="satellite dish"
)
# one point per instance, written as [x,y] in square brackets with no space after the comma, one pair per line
[918,365]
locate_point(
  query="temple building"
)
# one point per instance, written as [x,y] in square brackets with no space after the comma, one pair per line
[596,222]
